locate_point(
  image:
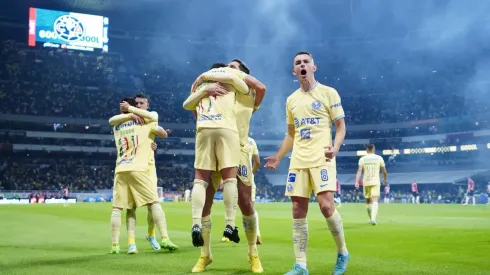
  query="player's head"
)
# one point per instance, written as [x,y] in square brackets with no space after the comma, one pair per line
[303,66]
[129,100]
[218,65]
[239,65]
[370,148]
[141,101]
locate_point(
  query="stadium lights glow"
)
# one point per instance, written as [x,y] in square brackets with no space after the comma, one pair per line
[488,145]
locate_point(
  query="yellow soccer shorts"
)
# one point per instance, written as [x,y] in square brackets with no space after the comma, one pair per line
[372,191]
[301,182]
[244,173]
[216,149]
[254,190]
[134,189]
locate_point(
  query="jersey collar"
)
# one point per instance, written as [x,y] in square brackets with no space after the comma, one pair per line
[311,88]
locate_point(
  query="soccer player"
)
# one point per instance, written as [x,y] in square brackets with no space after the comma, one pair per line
[310,112]
[370,165]
[187,195]
[415,193]
[134,183]
[245,105]
[470,192]
[216,140]
[142,115]
[387,194]
[338,193]
[65,196]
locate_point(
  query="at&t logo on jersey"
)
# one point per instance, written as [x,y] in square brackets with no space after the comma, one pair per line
[69,28]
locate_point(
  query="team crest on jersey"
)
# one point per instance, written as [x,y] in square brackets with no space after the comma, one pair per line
[316,105]
[291,177]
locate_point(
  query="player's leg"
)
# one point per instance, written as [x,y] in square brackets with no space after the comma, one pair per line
[298,188]
[228,154]
[473,198]
[417,199]
[254,194]
[119,202]
[131,228]
[206,257]
[204,163]
[369,206]
[374,204]
[323,179]
[145,194]
[339,199]
[149,216]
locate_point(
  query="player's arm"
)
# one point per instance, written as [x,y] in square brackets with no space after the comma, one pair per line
[358,175]
[259,88]
[160,132]
[337,114]
[118,119]
[192,101]
[287,143]
[228,78]
[383,170]
[148,116]
[256,159]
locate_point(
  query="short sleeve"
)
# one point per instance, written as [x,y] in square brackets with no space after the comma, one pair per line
[255,149]
[335,108]
[381,162]
[360,162]
[153,126]
[289,114]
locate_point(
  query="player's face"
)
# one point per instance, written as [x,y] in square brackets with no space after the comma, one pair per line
[234,65]
[141,103]
[303,66]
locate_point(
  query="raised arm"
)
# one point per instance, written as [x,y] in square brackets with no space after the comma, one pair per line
[227,78]
[148,116]
[118,119]
[160,132]
[191,102]
[259,88]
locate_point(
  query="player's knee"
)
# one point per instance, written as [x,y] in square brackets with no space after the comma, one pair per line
[201,183]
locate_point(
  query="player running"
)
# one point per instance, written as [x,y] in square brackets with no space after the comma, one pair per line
[310,112]
[370,164]
[245,105]
[470,192]
[415,193]
[142,105]
[134,179]
[216,140]
[387,194]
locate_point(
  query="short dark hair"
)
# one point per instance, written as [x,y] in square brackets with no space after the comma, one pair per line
[301,53]
[129,100]
[243,67]
[370,147]
[141,95]
[218,65]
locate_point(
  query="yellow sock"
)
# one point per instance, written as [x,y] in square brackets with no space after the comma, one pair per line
[300,240]
[151,223]
[250,228]
[198,200]
[230,199]
[115,226]
[160,219]
[131,225]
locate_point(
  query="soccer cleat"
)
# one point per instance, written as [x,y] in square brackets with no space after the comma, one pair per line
[372,222]
[202,263]
[298,270]
[115,249]
[225,240]
[341,265]
[168,244]
[231,234]
[255,265]
[132,249]
[153,242]
[259,240]
[196,233]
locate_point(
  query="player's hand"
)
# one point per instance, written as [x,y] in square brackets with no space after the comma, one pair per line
[216,89]
[196,83]
[169,131]
[356,185]
[139,120]
[124,106]
[330,153]
[272,162]
[154,146]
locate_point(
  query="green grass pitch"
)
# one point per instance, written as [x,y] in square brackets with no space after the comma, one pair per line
[409,239]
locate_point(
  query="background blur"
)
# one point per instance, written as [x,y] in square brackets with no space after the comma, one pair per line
[413,77]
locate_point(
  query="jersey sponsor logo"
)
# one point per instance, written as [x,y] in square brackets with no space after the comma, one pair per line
[125,124]
[290,187]
[292,177]
[315,105]
[126,161]
[308,121]
[336,105]
[305,134]
[210,117]
[324,175]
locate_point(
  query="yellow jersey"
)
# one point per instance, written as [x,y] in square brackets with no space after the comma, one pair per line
[244,107]
[312,114]
[219,111]
[252,149]
[133,143]
[371,165]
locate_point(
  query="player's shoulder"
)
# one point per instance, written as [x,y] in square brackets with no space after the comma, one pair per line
[324,89]
[294,95]
[251,140]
